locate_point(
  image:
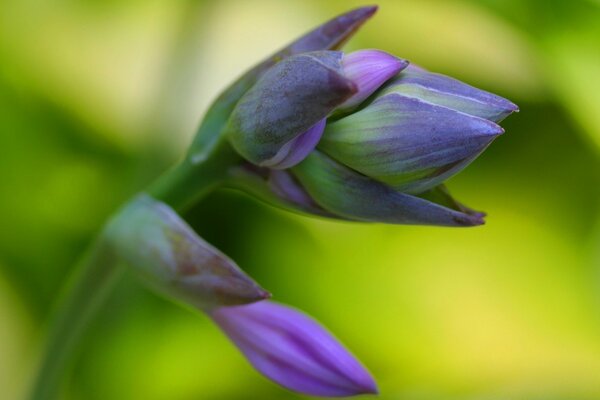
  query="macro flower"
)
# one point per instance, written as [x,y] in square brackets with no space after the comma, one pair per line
[360,136]
[293,350]
[363,136]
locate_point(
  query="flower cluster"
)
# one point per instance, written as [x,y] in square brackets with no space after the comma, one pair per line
[363,136]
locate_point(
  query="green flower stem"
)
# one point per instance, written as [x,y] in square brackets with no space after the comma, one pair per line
[180,187]
[194,178]
[97,274]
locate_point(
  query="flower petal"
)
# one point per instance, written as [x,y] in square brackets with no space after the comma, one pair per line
[293,350]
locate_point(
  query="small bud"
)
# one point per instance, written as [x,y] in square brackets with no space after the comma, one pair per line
[291,98]
[293,350]
[406,143]
[369,69]
[449,92]
[348,194]
[174,260]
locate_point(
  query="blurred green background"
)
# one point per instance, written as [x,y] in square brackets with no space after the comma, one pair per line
[98,97]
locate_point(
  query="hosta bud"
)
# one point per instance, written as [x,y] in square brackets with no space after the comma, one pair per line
[448,92]
[344,192]
[167,254]
[291,98]
[409,144]
[330,35]
[293,350]
[369,69]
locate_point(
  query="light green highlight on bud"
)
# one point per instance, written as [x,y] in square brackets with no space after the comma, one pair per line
[169,256]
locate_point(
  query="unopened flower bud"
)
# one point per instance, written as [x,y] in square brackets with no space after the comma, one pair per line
[369,69]
[293,350]
[344,192]
[166,253]
[449,92]
[407,143]
[330,35]
[291,98]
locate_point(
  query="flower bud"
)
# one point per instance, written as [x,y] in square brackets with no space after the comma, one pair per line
[451,93]
[292,97]
[348,194]
[406,143]
[369,69]
[293,350]
[167,254]
[330,35]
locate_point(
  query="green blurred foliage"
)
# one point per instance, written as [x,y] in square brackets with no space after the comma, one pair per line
[97,98]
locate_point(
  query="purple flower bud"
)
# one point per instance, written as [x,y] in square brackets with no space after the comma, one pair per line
[293,350]
[289,100]
[451,93]
[174,260]
[407,143]
[346,193]
[369,69]
[331,35]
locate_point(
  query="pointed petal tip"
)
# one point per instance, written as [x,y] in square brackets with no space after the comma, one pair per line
[368,386]
[366,11]
[471,220]
[489,128]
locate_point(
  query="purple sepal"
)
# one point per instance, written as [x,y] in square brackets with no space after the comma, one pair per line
[296,150]
[293,350]
[369,69]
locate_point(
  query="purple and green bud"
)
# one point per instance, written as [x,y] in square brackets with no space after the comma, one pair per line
[290,99]
[348,194]
[441,90]
[365,136]
[294,350]
[169,256]
[280,120]
[330,35]
[409,144]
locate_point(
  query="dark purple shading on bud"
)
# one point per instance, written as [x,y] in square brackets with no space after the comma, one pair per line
[407,143]
[329,36]
[449,92]
[293,350]
[296,150]
[346,193]
[287,101]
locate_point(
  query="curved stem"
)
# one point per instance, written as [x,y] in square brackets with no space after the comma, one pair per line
[180,187]
[98,272]
[192,179]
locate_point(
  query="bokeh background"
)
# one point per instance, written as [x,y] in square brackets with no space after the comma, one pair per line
[98,97]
